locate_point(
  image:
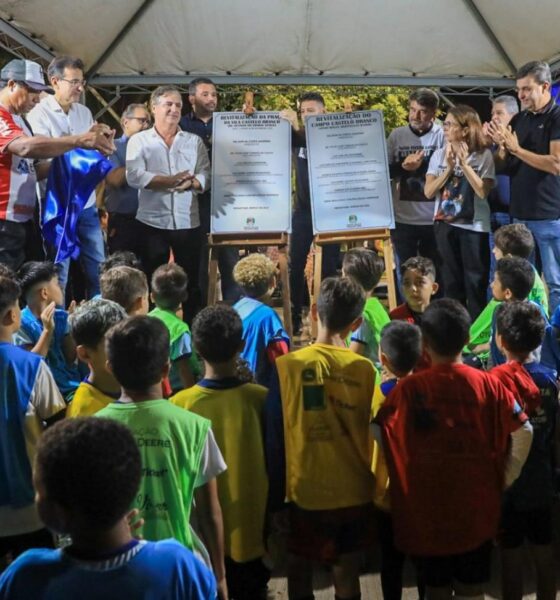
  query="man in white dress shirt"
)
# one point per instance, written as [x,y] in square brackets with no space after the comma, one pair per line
[61,115]
[171,168]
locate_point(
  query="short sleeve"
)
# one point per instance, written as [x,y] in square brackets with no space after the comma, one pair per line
[434,165]
[211,461]
[391,147]
[45,396]
[555,127]
[181,347]
[487,169]
[9,130]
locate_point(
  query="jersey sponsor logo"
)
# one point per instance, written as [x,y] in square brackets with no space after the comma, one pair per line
[5,126]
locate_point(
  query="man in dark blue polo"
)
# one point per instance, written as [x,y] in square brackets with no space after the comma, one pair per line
[529,152]
[121,200]
[203,99]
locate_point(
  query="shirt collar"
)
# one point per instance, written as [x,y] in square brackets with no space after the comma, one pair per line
[545,109]
[220,384]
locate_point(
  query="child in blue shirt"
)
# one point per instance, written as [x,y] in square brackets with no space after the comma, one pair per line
[29,398]
[263,333]
[87,474]
[44,324]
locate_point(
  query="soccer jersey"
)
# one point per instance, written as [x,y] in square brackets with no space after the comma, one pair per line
[236,412]
[261,326]
[327,394]
[375,317]
[445,433]
[28,396]
[171,441]
[88,400]
[146,570]
[67,376]
[17,175]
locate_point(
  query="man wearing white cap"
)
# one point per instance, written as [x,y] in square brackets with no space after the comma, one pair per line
[21,82]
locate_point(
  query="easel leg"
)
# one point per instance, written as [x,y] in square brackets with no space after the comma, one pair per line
[317,268]
[285,279]
[212,275]
[389,264]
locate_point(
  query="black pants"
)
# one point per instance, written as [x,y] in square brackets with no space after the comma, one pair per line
[248,580]
[465,265]
[124,232]
[19,242]
[300,242]
[185,244]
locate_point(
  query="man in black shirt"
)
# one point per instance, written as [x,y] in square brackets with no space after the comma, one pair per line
[529,152]
[203,99]
[310,103]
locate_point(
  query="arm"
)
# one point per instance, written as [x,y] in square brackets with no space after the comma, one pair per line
[117,177]
[69,349]
[44,342]
[276,348]
[201,180]
[212,530]
[185,373]
[549,163]
[358,347]
[519,450]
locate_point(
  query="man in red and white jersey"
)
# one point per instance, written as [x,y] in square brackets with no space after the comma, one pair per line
[21,82]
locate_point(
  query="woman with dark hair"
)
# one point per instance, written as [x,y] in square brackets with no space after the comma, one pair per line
[459,177]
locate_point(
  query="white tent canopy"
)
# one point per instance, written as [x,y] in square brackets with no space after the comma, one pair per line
[470,42]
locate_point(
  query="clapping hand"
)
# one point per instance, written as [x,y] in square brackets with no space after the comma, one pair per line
[47,317]
[461,152]
[413,161]
[450,156]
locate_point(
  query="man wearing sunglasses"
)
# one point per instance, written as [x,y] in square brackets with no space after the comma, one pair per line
[121,200]
[63,114]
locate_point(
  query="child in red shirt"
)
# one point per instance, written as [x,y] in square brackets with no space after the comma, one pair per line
[453,437]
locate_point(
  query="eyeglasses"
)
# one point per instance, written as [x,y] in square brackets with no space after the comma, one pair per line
[74,82]
[143,120]
[449,125]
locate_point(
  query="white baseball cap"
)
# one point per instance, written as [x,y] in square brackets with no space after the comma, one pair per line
[26,71]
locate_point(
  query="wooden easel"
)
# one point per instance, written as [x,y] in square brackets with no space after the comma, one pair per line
[353,239]
[217,241]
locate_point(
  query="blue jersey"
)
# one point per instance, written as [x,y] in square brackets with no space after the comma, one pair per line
[534,487]
[67,376]
[163,570]
[261,326]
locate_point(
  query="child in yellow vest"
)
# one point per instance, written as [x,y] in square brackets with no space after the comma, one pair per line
[400,348]
[326,393]
[88,325]
[236,412]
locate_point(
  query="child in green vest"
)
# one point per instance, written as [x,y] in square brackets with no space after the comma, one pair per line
[180,457]
[236,411]
[169,291]
[366,267]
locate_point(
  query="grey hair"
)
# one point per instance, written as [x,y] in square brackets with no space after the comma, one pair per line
[90,322]
[425,97]
[58,64]
[129,110]
[509,102]
[537,69]
[163,90]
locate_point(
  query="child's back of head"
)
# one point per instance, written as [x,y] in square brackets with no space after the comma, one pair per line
[255,275]
[521,326]
[218,333]
[401,346]
[445,327]
[125,286]
[90,321]
[341,302]
[138,352]
[120,258]
[515,239]
[514,274]
[10,293]
[365,266]
[169,286]
[90,469]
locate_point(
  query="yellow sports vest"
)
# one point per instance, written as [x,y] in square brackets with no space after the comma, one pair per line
[236,415]
[87,401]
[327,395]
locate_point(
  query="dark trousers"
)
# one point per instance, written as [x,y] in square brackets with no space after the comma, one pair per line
[185,244]
[124,232]
[248,580]
[465,265]
[19,242]
[227,259]
[300,242]
[414,240]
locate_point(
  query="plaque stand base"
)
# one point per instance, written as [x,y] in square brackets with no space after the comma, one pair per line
[218,240]
[353,239]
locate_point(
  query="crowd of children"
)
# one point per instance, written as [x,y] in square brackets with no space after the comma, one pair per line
[180,451]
